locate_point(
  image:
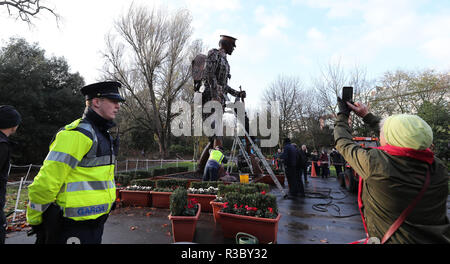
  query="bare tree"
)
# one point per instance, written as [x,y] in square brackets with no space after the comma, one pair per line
[286,90]
[329,85]
[26,9]
[405,91]
[149,55]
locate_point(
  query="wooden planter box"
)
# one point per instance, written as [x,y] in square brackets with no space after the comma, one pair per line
[183,227]
[204,200]
[135,198]
[161,199]
[265,229]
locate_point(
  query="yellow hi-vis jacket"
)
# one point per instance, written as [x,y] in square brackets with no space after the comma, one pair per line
[216,155]
[73,177]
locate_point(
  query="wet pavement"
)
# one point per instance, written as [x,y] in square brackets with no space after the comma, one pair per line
[327,215]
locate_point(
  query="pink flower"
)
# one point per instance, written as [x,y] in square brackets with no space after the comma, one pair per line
[263,192]
[270,209]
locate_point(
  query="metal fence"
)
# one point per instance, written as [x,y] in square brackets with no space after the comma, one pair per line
[23,175]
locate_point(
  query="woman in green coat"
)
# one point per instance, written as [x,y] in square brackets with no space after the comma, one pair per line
[394,174]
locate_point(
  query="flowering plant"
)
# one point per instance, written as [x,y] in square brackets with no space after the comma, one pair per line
[256,204]
[138,188]
[180,205]
[209,190]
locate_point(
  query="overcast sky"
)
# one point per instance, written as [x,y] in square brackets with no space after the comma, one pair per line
[291,37]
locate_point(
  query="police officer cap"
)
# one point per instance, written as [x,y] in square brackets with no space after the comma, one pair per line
[108,89]
[225,37]
[9,117]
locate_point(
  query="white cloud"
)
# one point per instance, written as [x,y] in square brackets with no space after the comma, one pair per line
[272,24]
[315,34]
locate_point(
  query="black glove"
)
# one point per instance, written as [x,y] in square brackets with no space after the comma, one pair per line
[343,107]
[242,94]
[36,229]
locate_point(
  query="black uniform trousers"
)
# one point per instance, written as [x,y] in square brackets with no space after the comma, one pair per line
[295,183]
[57,229]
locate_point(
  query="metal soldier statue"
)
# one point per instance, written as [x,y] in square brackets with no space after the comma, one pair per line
[215,79]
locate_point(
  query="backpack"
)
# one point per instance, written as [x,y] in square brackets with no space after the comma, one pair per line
[198,69]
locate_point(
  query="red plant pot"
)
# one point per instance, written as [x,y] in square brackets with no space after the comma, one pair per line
[161,199]
[183,227]
[135,198]
[204,200]
[265,229]
[216,206]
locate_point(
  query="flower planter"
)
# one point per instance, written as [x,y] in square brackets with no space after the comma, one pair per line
[204,200]
[160,199]
[265,229]
[183,227]
[135,198]
[216,206]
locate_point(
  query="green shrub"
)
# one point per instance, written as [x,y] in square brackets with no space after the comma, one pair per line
[182,169]
[205,184]
[122,179]
[171,184]
[171,170]
[180,205]
[143,174]
[159,172]
[243,188]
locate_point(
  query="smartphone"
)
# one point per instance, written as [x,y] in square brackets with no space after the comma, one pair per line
[347,94]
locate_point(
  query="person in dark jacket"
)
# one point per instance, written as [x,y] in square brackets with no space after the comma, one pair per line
[9,122]
[300,165]
[394,174]
[290,157]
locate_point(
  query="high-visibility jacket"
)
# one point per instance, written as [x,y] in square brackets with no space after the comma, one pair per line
[216,155]
[73,176]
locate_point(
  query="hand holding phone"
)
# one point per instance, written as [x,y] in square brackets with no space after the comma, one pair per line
[347,94]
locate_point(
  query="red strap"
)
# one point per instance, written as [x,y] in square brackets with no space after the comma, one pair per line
[397,222]
[360,207]
[406,212]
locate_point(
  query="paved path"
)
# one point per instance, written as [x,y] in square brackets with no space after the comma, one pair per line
[317,219]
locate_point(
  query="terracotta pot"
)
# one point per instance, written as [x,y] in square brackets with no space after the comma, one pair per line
[204,200]
[265,229]
[183,227]
[216,206]
[135,198]
[161,199]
